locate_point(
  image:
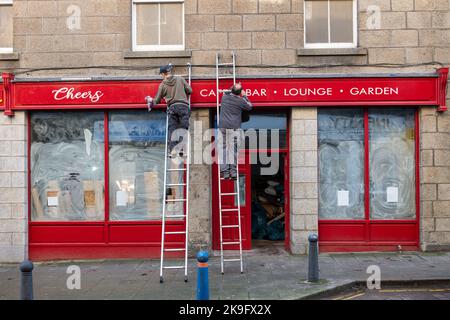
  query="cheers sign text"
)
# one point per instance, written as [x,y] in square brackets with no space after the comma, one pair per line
[71,94]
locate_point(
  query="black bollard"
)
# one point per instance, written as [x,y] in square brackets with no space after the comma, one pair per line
[26,280]
[313,258]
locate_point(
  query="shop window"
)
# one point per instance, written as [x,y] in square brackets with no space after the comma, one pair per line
[341,164]
[6,26]
[158,25]
[269,128]
[67,167]
[391,164]
[330,23]
[136,165]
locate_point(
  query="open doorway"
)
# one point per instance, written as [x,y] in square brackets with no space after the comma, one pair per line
[268,209]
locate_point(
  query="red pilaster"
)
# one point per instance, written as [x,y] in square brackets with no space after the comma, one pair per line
[7,93]
[442,89]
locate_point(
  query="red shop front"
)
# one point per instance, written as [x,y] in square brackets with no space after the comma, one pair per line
[102,124]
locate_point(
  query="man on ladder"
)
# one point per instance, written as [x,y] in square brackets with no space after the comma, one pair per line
[230,119]
[176,91]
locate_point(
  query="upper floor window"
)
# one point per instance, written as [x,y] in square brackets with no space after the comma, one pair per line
[6,26]
[330,23]
[158,25]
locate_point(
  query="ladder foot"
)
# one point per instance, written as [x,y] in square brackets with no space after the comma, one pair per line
[161,279]
[186,279]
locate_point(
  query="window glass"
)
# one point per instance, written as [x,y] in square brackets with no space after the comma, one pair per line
[316,21]
[159,24]
[341,164]
[136,164]
[67,166]
[329,22]
[341,21]
[269,128]
[147,24]
[241,191]
[6,26]
[171,24]
[392,163]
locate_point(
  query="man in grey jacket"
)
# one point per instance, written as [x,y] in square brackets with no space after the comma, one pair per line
[175,90]
[230,120]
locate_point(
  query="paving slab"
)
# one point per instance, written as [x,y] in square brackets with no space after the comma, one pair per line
[269,275]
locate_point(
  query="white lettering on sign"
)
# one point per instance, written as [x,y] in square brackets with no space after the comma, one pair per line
[70,94]
[376,91]
[207,93]
[293,92]
[249,92]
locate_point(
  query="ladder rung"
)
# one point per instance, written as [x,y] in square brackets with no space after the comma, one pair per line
[228,210]
[231,226]
[175,216]
[176,184]
[229,243]
[175,200]
[229,194]
[182,169]
[175,232]
[231,260]
[174,250]
[174,267]
[226,64]
[226,77]
[222,91]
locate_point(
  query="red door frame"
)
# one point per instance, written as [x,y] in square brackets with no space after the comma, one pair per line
[286,166]
[56,240]
[350,230]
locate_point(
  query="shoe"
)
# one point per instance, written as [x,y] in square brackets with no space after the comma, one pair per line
[172,154]
[225,175]
[168,192]
[233,177]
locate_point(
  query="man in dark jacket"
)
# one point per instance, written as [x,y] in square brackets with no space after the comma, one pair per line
[175,90]
[230,120]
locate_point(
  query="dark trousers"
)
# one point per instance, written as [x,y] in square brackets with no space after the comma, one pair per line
[230,141]
[179,115]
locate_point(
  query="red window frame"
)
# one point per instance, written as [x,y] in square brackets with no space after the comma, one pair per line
[53,240]
[339,235]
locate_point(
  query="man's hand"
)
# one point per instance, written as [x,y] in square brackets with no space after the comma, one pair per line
[149,101]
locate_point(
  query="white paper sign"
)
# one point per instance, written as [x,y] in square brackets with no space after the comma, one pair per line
[392,194]
[52,201]
[121,198]
[343,198]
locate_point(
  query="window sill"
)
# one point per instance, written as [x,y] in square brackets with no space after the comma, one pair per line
[332,52]
[9,56]
[157,54]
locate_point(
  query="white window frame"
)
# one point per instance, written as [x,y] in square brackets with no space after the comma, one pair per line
[6,3]
[136,47]
[332,45]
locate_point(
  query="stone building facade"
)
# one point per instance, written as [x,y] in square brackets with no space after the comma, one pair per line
[406,37]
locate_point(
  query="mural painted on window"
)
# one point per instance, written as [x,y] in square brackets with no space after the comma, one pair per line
[341,164]
[67,167]
[392,163]
[136,166]
[391,136]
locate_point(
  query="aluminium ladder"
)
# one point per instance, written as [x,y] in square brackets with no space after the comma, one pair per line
[236,193]
[183,200]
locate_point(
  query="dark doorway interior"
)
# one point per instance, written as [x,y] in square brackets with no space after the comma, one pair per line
[268,203]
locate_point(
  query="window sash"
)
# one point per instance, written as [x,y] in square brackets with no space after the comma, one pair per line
[137,47]
[406,209]
[6,3]
[329,44]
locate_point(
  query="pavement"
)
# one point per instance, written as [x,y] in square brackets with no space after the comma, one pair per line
[269,275]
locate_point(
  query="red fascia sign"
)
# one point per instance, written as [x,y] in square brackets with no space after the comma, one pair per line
[358,91]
